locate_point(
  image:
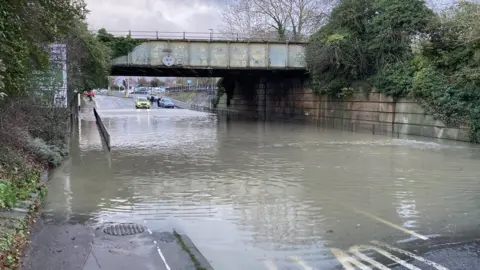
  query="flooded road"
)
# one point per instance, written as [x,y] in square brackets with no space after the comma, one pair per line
[268,195]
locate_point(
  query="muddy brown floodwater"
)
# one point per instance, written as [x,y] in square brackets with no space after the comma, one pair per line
[267,195]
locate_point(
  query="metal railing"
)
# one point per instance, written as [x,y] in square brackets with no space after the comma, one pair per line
[192,88]
[103,129]
[152,35]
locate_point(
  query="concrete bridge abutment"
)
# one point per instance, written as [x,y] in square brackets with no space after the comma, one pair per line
[290,98]
[263,97]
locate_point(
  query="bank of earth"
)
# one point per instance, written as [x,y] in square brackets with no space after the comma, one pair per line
[31,144]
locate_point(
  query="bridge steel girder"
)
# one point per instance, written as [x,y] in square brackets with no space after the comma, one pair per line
[131,70]
[210,58]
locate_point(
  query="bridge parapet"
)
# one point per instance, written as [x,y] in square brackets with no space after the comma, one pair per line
[217,54]
[157,35]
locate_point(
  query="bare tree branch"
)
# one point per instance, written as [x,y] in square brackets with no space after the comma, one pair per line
[281,19]
[241,19]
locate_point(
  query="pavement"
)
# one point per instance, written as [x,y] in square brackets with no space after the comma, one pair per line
[83,247]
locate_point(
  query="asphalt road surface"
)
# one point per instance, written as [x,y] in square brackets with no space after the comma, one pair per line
[254,195]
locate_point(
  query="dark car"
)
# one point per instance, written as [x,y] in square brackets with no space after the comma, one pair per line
[155,98]
[166,103]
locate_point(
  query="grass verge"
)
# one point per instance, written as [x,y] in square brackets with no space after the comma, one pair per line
[16,223]
[182,96]
[34,137]
[198,265]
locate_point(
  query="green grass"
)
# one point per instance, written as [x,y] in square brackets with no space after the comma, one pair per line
[198,266]
[183,96]
[17,188]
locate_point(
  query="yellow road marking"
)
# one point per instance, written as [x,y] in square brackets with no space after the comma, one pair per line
[301,263]
[386,222]
[347,260]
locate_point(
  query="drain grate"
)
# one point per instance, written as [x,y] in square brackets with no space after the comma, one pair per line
[123,229]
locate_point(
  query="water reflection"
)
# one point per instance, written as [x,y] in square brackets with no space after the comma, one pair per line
[265,191]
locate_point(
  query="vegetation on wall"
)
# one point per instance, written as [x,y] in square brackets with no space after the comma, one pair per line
[403,49]
[33,131]
[28,27]
[29,122]
[120,46]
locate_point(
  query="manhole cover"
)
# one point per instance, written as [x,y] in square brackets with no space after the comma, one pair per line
[124,229]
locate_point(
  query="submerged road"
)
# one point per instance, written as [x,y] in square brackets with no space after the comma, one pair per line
[262,195]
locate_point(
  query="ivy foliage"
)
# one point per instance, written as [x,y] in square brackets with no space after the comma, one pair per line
[447,77]
[404,49]
[89,59]
[19,188]
[361,38]
[120,46]
[27,28]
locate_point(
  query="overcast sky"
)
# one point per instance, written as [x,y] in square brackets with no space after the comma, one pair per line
[155,15]
[165,15]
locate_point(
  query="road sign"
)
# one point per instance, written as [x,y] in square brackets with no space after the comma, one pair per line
[168,60]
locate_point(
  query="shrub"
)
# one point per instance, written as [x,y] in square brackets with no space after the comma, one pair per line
[31,131]
[18,188]
[364,38]
[374,41]
[8,197]
[9,159]
[395,79]
[50,154]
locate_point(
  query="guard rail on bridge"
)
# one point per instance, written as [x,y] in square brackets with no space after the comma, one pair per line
[157,35]
[191,89]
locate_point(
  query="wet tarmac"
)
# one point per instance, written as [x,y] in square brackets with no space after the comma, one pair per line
[254,195]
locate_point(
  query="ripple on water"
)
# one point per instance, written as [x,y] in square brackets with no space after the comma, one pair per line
[266,191]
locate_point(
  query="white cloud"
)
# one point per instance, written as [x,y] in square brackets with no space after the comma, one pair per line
[155,15]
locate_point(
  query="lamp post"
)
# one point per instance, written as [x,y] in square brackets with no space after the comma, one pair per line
[211,34]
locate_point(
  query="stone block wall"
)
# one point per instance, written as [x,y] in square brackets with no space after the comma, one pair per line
[289,99]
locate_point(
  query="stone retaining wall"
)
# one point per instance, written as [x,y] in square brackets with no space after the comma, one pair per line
[368,111]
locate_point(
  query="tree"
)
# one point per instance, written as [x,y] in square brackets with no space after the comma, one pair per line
[157,82]
[276,13]
[394,25]
[34,25]
[89,60]
[241,18]
[120,46]
[170,81]
[446,79]
[306,16]
[112,82]
[292,19]
[142,81]
[363,37]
